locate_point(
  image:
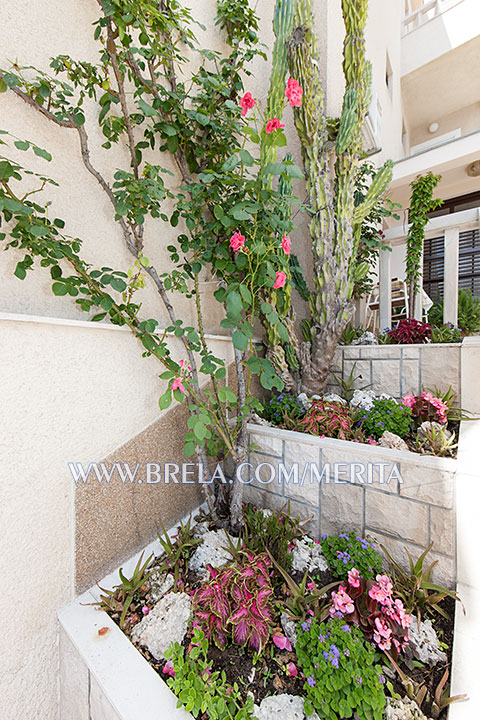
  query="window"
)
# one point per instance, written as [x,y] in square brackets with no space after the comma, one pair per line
[389,75]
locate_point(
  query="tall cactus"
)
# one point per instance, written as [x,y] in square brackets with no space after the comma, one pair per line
[335,224]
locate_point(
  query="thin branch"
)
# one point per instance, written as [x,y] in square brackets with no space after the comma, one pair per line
[69,123]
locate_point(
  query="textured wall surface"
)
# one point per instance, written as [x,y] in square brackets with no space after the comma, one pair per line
[398,514]
[399,369]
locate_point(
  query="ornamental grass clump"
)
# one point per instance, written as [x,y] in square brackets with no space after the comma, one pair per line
[372,608]
[348,550]
[331,419]
[341,675]
[386,414]
[235,604]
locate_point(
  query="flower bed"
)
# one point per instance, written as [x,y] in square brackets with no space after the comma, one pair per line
[277,626]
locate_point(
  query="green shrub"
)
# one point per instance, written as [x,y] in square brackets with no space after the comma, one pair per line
[386,414]
[468,312]
[341,675]
[283,409]
[348,550]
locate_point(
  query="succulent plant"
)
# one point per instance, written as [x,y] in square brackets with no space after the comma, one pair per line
[236,603]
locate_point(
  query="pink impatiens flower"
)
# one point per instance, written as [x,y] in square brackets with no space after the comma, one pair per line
[280,279]
[385,583]
[282,642]
[178,385]
[247,102]
[294,93]
[292,669]
[168,668]
[237,241]
[273,124]
[286,244]
[354,578]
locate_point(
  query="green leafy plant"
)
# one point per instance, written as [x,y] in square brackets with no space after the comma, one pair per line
[468,313]
[422,203]
[446,334]
[118,600]
[342,675]
[436,441]
[386,414]
[350,334]
[178,551]
[348,550]
[201,690]
[304,600]
[282,409]
[348,385]
[415,587]
[272,531]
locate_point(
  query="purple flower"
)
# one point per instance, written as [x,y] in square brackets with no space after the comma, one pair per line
[382,679]
[306,626]
[346,628]
[346,652]
[358,679]
[311,681]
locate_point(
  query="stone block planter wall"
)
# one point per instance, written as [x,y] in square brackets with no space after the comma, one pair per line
[398,514]
[398,369]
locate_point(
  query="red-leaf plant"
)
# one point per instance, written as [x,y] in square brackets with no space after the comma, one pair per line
[236,602]
[328,418]
[410,332]
[372,607]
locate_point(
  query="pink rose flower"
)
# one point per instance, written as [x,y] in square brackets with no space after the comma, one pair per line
[273,124]
[294,93]
[280,279]
[247,102]
[237,241]
[286,244]
[178,385]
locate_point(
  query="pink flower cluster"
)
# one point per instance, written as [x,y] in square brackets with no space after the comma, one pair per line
[294,93]
[342,602]
[419,404]
[185,370]
[392,609]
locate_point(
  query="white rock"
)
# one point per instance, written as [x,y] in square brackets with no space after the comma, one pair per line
[363,399]
[289,628]
[304,401]
[283,707]
[405,709]
[429,426]
[165,624]
[391,440]
[367,338]
[257,420]
[211,551]
[305,555]
[333,397]
[160,584]
[423,644]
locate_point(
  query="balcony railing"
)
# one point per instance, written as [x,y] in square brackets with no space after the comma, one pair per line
[430,9]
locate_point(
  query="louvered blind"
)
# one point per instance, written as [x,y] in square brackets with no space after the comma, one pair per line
[468,264]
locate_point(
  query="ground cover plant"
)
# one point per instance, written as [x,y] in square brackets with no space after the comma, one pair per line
[258,631]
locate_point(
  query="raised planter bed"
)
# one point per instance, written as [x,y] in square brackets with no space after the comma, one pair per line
[351,491]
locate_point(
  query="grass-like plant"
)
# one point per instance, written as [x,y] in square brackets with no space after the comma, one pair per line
[119,599]
[273,532]
[177,552]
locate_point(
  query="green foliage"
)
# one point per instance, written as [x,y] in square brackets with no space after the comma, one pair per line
[177,552]
[436,441]
[468,314]
[415,587]
[422,202]
[347,550]
[350,334]
[283,410]
[342,677]
[305,598]
[118,600]
[446,334]
[386,414]
[348,385]
[199,690]
[272,531]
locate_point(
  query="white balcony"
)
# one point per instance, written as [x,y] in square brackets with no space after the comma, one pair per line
[419,13]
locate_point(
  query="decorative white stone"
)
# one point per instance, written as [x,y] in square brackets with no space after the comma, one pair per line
[391,440]
[289,628]
[303,399]
[255,418]
[367,338]
[283,707]
[405,709]
[160,584]
[428,426]
[423,644]
[333,397]
[308,556]
[165,624]
[211,551]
